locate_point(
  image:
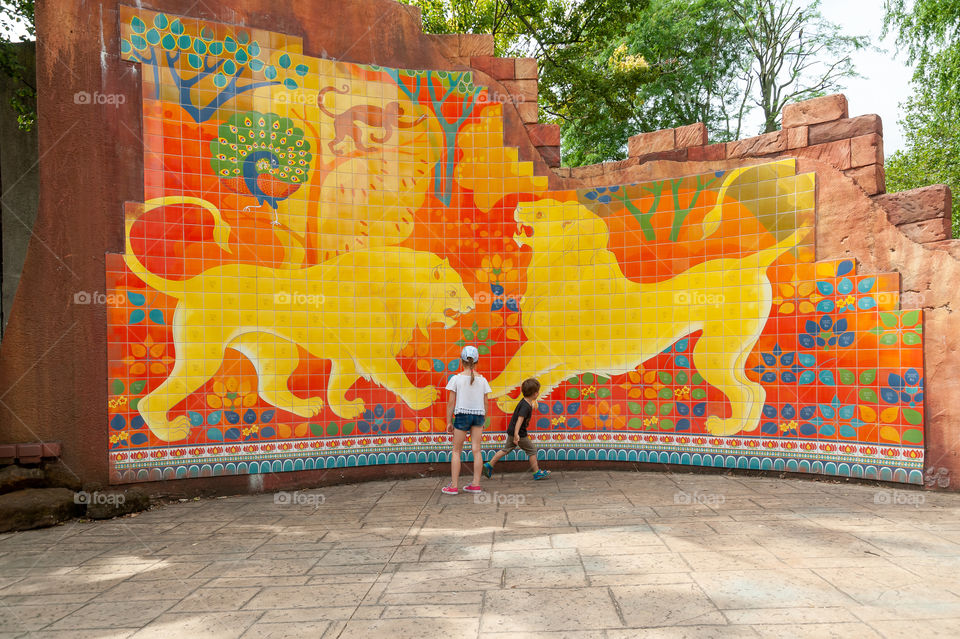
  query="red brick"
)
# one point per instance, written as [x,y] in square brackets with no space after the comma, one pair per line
[526,69]
[869,178]
[51,449]
[29,453]
[836,154]
[825,109]
[708,153]
[845,129]
[653,142]
[916,205]
[691,135]
[544,134]
[550,155]
[760,145]
[8,451]
[496,68]
[797,137]
[866,149]
[479,44]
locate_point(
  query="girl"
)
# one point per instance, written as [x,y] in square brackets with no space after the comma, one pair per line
[466,412]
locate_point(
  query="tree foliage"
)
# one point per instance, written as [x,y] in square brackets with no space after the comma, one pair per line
[929,32]
[17,23]
[797,53]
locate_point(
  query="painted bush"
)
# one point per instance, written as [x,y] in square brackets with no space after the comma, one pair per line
[320,239]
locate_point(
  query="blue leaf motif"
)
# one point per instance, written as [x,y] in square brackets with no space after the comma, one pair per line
[196,419]
[214,435]
[266,416]
[156,316]
[214,418]
[136,316]
[825,288]
[866,284]
[137,299]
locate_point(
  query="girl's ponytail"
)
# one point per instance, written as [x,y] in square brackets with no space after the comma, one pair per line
[472,376]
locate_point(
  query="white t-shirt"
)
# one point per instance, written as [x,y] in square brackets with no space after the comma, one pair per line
[469,396]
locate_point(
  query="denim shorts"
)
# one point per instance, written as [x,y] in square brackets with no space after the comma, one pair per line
[466,421]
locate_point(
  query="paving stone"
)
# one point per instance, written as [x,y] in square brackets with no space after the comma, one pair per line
[549,609]
[662,605]
[222,625]
[413,628]
[776,588]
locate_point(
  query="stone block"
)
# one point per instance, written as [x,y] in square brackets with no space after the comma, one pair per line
[8,451]
[673,155]
[616,166]
[765,144]
[526,69]
[544,134]
[708,153]
[36,508]
[447,43]
[59,476]
[916,205]
[476,44]
[562,171]
[797,137]
[528,112]
[836,154]
[691,135]
[652,142]
[588,171]
[16,478]
[866,149]
[951,246]
[935,230]
[522,90]
[496,68]
[825,109]
[117,502]
[869,178]
[845,129]
[550,155]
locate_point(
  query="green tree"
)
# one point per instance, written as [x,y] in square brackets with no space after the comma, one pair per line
[929,32]
[16,24]
[797,54]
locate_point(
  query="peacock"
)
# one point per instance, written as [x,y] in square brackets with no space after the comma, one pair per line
[261,154]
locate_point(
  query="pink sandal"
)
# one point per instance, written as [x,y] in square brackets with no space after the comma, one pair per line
[450,490]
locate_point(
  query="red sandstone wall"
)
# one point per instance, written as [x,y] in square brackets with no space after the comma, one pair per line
[53,362]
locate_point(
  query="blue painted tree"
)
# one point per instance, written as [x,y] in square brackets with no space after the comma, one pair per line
[442,88]
[233,64]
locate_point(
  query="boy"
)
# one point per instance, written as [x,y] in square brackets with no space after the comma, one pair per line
[517,431]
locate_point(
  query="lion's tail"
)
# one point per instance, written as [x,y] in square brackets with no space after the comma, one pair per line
[221,233]
[768,256]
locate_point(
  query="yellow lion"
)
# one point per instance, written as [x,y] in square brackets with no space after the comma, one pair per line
[358,310]
[581,314]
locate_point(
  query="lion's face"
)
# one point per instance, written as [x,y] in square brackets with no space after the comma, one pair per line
[446,298]
[538,222]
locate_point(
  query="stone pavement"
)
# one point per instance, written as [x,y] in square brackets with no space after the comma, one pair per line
[583,554]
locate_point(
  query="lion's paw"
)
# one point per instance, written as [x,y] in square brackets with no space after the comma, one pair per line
[421,398]
[349,409]
[719,426]
[314,406]
[174,430]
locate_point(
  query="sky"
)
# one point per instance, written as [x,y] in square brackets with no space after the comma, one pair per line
[886,76]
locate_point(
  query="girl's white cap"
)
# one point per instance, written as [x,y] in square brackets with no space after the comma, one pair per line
[470,353]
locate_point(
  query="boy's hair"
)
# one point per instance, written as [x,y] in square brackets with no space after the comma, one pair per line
[530,387]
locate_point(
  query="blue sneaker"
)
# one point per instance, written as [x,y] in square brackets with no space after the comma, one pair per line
[541,474]
[487,470]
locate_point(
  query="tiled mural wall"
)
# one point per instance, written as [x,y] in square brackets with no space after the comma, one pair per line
[319,239]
